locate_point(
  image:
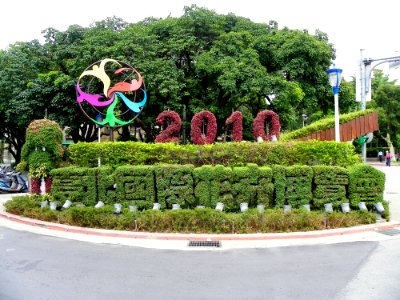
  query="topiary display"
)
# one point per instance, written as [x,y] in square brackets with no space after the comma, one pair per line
[198,137]
[236,119]
[171,133]
[41,152]
[266,117]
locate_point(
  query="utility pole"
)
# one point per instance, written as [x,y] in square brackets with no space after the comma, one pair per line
[363,98]
[365,79]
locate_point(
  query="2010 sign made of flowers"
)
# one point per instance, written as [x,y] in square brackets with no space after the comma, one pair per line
[204,127]
[111,92]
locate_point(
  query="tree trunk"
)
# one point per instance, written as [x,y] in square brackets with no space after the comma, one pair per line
[388,140]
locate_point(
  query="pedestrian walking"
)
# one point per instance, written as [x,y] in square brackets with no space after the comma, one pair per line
[380,155]
[388,158]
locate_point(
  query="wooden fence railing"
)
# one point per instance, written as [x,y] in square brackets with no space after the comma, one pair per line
[349,130]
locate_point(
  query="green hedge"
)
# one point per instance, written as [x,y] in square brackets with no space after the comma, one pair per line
[228,154]
[175,185]
[75,184]
[136,186]
[366,184]
[293,185]
[105,183]
[212,185]
[189,186]
[330,186]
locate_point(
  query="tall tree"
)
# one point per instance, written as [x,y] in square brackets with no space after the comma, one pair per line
[387,103]
[201,60]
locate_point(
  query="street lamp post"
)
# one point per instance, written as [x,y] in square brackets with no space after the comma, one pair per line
[305,118]
[335,76]
[99,118]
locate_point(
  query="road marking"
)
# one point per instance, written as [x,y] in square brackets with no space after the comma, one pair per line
[10,249]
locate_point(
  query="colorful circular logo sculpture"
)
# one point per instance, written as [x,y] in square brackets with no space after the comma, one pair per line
[111,92]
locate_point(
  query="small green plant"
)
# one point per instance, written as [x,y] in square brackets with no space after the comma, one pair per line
[190,221]
[41,171]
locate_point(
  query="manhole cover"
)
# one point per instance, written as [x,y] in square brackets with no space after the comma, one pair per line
[204,244]
[390,232]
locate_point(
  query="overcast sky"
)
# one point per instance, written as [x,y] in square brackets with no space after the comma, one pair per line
[350,25]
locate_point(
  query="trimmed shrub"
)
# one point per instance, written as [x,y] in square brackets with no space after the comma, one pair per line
[293,185]
[252,184]
[212,185]
[228,154]
[136,186]
[105,185]
[175,185]
[330,186]
[207,185]
[366,184]
[75,184]
[189,221]
[265,189]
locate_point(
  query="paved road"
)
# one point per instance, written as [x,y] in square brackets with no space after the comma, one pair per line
[41,267]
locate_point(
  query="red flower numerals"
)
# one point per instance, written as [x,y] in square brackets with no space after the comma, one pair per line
[171,133]
[274,127]
[48,182]
[236,119]
[35,185]
[197,125]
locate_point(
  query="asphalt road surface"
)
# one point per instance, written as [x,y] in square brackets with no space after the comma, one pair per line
[40,267]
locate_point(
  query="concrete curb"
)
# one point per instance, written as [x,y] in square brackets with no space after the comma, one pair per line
[197,237]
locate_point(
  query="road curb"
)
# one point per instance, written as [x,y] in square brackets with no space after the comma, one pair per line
[55,227]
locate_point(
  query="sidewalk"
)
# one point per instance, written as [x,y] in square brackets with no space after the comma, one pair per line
[227,241]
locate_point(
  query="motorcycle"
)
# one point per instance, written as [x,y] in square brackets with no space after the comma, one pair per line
[13,182]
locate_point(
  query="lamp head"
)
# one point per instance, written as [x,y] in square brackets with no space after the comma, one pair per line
[335,77]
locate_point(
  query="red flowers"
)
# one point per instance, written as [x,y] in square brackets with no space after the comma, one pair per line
[198,137]
[35,185]
[270,117]
[236,118]
[171,133]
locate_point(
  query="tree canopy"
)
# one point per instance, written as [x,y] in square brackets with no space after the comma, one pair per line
[199,61]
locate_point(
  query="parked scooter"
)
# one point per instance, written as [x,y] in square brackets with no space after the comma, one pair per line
[13,182]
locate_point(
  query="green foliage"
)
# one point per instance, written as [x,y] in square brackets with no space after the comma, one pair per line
[206,185]
[175,185]
[75,184]
[42,150]
[201,59]
[105,185]
[322,124]
[39,171]
[330,186]
[328,153]
[212,185]
[189,221]
[387,103]
[136,186]
[252,184]
[228,154]
[293,185]
[366,184]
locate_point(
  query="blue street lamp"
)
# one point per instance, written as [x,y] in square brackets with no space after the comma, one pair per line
[335,76]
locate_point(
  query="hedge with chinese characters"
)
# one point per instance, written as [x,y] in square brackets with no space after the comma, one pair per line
[189,186]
